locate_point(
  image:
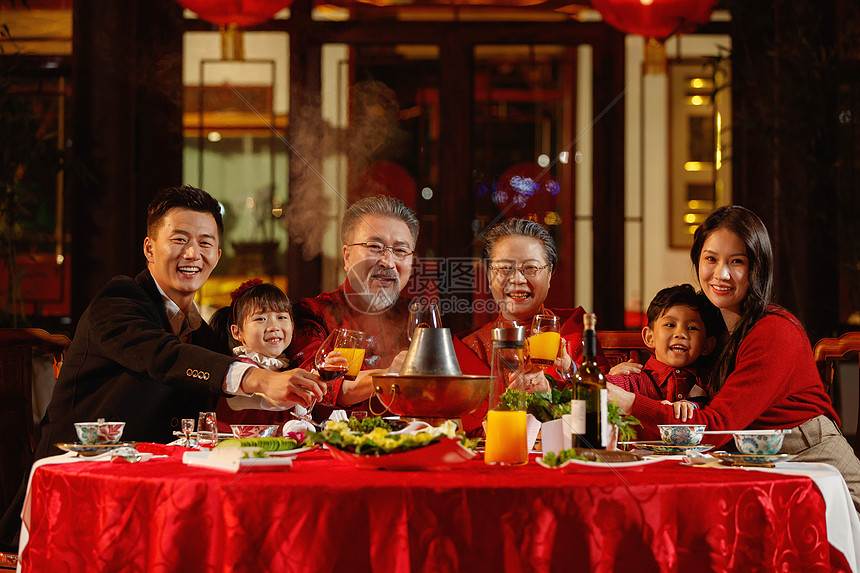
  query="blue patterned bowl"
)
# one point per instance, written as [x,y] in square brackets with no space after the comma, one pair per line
[761,442]
[682,434]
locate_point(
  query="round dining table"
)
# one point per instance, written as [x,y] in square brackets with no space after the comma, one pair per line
[322,514]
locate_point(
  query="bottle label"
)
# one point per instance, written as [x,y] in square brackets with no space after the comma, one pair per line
[604,418]
[577,417]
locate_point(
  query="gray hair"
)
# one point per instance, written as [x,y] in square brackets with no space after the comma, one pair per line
[380,205]
[523,228]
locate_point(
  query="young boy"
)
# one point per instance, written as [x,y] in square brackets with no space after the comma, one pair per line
[682,328]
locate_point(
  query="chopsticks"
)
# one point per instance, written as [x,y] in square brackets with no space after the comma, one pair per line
[753,432]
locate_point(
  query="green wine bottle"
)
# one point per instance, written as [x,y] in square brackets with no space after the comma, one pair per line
[589,415]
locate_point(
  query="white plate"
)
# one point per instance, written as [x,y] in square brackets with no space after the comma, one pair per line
[752,460]
[291,453]
[440,455]
[659,448]
[572,465]
[93,449]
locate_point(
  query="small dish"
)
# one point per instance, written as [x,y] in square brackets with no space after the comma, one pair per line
[572,466]
[659,448]
[752,460]
[87,450]
[440,455]
[291,453]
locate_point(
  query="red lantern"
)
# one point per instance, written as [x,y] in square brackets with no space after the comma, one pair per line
[242,13]
[385,178]
[655,18]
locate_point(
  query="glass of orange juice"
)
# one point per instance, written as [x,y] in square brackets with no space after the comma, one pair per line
[545,340]
[350,344]
[507,441]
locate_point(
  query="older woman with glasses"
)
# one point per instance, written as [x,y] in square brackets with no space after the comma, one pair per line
[521,257]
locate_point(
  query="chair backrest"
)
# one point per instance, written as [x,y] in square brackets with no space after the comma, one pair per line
[828,351]
[17,348]
[623,345]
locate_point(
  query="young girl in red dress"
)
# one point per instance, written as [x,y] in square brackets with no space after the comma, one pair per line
[262,324]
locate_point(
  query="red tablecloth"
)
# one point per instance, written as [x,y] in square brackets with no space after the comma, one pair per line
[324,515]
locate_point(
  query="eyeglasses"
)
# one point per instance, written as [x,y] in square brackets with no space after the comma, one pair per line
[506,271]
[378,249]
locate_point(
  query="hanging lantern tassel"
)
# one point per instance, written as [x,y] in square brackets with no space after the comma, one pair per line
[232,43]
[654,61]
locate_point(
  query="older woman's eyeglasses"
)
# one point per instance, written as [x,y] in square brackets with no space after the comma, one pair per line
[378,249]
[528,270]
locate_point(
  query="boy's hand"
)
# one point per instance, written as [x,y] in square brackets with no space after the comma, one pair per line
[628,367]
[683,409]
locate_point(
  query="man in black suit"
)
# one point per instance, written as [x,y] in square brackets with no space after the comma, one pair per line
[142,354]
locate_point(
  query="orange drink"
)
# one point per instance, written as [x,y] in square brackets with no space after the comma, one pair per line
[506,437]
[354,359]
[543,348]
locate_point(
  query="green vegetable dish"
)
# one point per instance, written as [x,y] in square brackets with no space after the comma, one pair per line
[265,445]
[378,440]
[553,460]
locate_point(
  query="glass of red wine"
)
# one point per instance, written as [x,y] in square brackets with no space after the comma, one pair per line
[341,355]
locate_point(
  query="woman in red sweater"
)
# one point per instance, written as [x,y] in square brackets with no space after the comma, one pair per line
[765,376]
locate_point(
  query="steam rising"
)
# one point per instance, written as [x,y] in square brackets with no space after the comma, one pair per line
[373,135]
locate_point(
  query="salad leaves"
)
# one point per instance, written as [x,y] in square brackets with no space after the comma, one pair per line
[379,440]
[624,422]
[545,406]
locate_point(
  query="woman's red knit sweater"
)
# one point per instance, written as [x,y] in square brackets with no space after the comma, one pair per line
[775,384]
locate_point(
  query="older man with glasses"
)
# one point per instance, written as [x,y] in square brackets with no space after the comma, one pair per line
[379,235]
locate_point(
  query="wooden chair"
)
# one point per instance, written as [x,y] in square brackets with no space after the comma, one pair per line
[17,428]
[623,345]
[828,352]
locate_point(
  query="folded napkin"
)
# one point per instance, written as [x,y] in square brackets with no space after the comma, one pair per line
[338,416]
[231,460]
[298,427]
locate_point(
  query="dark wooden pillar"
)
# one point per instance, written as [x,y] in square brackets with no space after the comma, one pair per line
[455,137]
[126,138]
[305,276]
[608,218]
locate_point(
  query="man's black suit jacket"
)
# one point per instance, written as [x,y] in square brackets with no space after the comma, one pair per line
[125,364]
